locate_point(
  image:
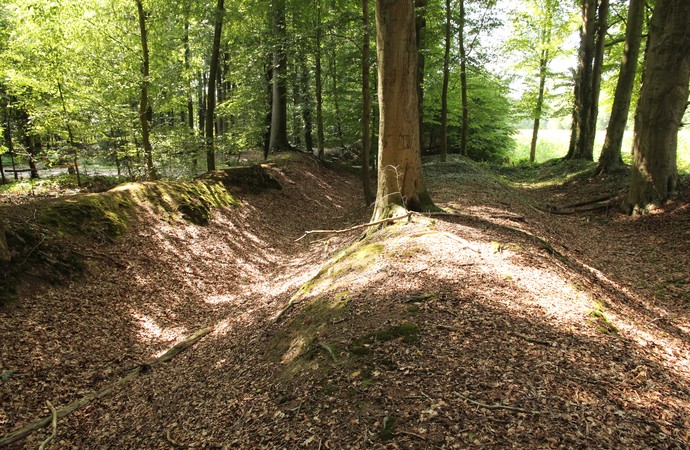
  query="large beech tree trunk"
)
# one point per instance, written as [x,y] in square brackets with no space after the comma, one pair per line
[400,183]
[420,29]
[662,103]
[145,112]
[279,136]
[610,158]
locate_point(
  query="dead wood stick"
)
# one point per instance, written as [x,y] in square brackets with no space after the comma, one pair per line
[355,228]
[410,433]
[506,407]
[70,408]
[531,339]
[55,421]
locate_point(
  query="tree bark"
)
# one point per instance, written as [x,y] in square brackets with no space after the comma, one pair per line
[662,103]
[583,85]
[366,106]
[70,135]
[400,183]
[319,84]
[336,103]
[420,28]
[7,136]
[543,66]
[279,137]
[187,64]
[463,81]
[211,92]
[306,107]
[144,107]
[610,159]
[444,89]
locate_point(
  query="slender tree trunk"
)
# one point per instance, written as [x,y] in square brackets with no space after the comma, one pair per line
[296,104]
[611,159]
[420,29]
[70,135]
[187,65]
[400,183]
[7,135]
[144,107]
[366,106]
[269,97]
[202,102]
[597,68]
[319,84]
[663,101]
[444,89]
[306,107]
[279,138]
[211,93]
[463,81]
[336,103]
[543,66]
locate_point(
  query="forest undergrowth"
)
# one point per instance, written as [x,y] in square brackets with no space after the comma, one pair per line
[530,314]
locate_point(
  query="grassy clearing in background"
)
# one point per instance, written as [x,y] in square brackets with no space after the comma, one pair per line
[554,144]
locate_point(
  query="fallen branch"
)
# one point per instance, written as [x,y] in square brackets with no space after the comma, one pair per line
[531,339]
[55,421]
[62,412]
[505,407]
[448,328]
[355,228]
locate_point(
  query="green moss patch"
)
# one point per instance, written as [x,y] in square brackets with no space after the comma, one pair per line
[39,247]
[355,259]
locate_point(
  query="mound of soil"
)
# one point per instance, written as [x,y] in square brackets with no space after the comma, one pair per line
[497,325]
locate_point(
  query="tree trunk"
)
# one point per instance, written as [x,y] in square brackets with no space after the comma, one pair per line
[319,84]
[336,103]
[662,103]
[611,159]
[444,89]
[463,81]
[306,107]
[187,64]
[202,102]
[211,92]
[7,136]
[70,135]
[144,107]
[584,86]
[279,137]
[366,106]
[400,182]
[296,104]
[420,28]
[543,66]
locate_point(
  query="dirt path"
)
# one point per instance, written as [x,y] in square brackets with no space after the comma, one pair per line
[462,331]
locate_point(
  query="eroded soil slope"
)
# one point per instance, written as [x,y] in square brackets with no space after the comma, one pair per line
[494,326]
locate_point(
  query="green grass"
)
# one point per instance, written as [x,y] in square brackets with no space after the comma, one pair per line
[554,144]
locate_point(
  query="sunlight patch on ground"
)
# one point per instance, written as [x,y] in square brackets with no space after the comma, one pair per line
[150,330]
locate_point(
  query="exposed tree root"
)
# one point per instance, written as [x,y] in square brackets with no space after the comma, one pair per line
[133,373]
[355,228]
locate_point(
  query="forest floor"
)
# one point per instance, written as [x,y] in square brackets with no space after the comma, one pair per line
[521,319]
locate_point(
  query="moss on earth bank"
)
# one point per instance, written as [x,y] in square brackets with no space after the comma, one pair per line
[42,245]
